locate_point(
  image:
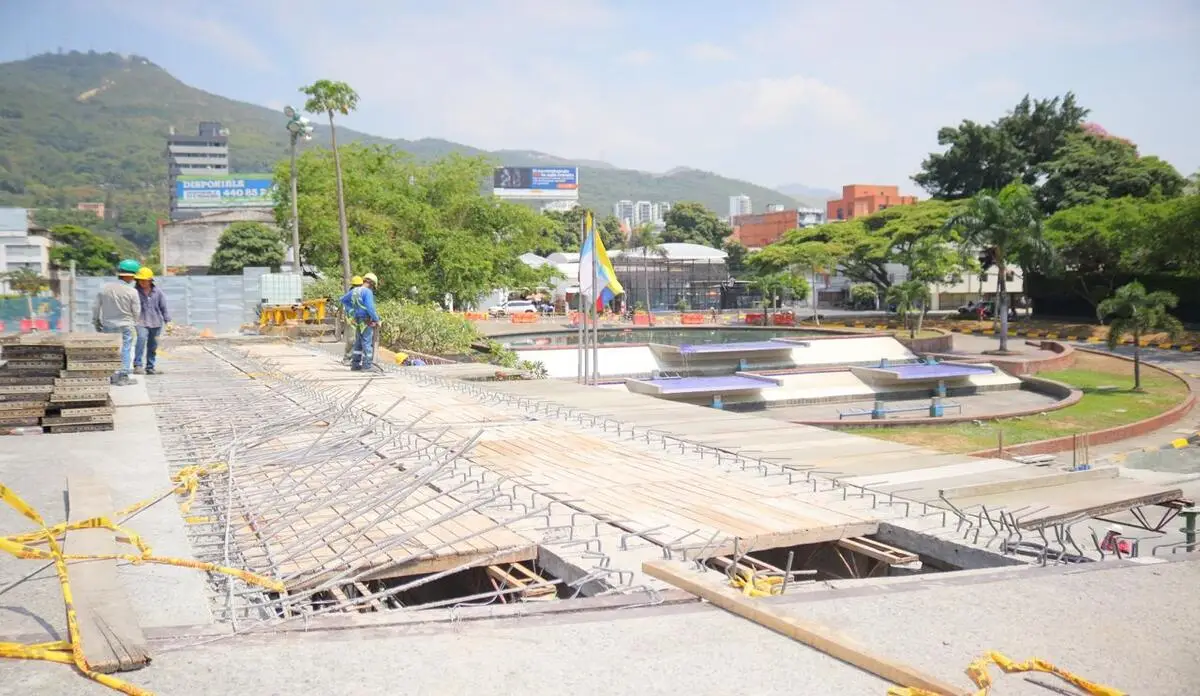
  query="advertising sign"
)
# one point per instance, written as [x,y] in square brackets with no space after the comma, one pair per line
[557,183]
[224,191]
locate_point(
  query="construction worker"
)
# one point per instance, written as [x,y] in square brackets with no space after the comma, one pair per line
[366,319]
[348,327]
[116,310]
[153,318]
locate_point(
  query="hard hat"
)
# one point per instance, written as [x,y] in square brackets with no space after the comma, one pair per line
[371,277]
[128,267]
[356,281]
[144,273]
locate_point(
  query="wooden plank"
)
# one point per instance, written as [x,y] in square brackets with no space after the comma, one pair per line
[878,551]
[806,632]
[109,633]
[995,487]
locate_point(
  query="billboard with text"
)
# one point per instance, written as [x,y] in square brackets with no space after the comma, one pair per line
[556,183]
[225,191]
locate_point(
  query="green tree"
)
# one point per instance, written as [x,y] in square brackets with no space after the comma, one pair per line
[1132,310]
[646,241]
[863,296]
[776,287]
[422,225]
[93,254]
[27,282]
[735,256]
[247,244]
[563,230]
[692,223]
[1091,167]
[1005,228]
[987,157]
[328,97]
[813,256]
[912,301]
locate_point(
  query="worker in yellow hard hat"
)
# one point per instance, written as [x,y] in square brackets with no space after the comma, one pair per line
[153,318]
[366,319]
[355,282]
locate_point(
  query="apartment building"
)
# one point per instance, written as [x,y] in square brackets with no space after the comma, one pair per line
[203,154]
[22,244]
[739,205]
[859,200]
[757,231]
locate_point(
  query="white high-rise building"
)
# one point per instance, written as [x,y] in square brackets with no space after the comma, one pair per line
[643,212]
[624,211]
[661,209]
[739,205]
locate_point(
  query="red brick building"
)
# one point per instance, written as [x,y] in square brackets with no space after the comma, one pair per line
[864,199]
[757,231]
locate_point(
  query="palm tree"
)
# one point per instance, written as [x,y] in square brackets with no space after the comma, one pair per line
[773,286]
[1132,310]
[326,97]
[27,282]
[911,296]
[1005,228]
[647,239]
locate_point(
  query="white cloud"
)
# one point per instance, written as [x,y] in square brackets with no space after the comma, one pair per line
[637,56]
[769,102]
[207,32]
[705,51]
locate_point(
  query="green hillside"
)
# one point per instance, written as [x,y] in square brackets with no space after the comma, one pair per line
[91,126]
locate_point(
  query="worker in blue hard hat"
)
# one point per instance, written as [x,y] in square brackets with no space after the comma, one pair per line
[116,310]
[366,320]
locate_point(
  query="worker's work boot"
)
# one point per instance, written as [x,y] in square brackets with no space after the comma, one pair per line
[122,381]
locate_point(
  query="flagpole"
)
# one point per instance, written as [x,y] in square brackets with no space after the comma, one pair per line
[583,364]
[595,305]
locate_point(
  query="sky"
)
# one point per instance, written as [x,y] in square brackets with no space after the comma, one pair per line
[819,93]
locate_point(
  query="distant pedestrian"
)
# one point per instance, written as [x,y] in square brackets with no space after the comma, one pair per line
[116,311]
[366,320]
[154,317]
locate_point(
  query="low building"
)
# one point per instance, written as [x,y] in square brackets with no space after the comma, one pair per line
[23,244]
[757,231]
[187,246]
[859,200]
[95,208]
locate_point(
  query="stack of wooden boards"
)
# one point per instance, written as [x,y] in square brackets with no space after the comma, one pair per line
[58,383]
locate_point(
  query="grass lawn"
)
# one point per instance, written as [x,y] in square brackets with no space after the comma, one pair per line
[1096,411]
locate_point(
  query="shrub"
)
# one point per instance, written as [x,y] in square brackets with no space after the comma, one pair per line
[329,287]
[424,328]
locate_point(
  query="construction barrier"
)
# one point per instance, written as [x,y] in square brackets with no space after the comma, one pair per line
[641,319]
[783,319]
[524,318]
[26,546]
[691,319]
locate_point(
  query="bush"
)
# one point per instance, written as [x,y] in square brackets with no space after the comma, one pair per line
[863,296]
[330,288]
[424,328]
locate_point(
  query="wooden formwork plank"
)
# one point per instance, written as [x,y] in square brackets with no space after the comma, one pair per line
[109,633]
[811,634]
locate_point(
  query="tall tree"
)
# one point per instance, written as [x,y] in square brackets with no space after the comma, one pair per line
[328,97]
[247,245]
[27,282]
[1092,166]
[692,223]
[981,157]
[92,253]
[735,256]
[646,241]
[1005,229]
[812,256]
[1132,310]
[776,286]
[563,230]
[911,299]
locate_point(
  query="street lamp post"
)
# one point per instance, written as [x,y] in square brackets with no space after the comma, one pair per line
[298,127]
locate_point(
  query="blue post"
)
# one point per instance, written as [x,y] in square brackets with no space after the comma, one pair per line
[883,363]
[936,410]
[877,412]
[941,388]
[717,403]
[743,365]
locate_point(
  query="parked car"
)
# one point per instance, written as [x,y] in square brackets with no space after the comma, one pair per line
[513,307]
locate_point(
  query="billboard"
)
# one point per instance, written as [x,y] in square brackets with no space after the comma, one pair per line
[553,183]
[224,191]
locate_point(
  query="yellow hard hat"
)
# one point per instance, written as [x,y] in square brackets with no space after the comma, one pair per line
[356,280]
[144,273]
[371,277]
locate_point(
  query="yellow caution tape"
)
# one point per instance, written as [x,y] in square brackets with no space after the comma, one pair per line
[978,672]
[27,546]
[753,585]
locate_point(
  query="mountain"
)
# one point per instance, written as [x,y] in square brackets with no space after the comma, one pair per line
[815,197]
[90,126]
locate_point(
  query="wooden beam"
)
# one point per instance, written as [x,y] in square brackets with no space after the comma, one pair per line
[812,635]
[775,540]
[878,551]
[1024,484]
[109,632]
